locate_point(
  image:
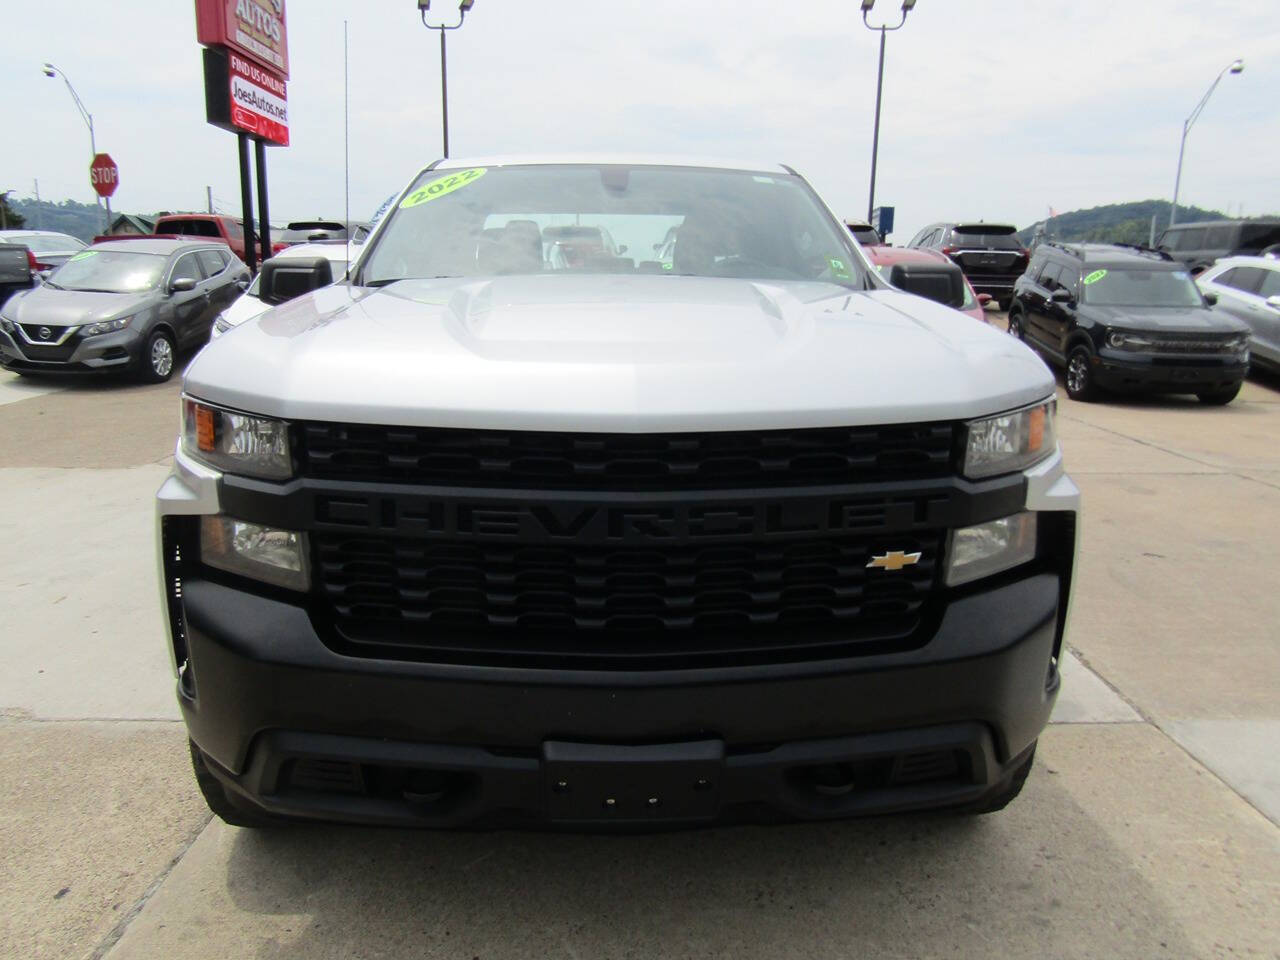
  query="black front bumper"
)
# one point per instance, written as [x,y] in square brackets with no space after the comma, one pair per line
[109,353]
[1168,375]
[296,728]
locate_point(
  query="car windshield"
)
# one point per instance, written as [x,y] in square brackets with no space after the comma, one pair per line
[54,244]
[1110,287]
[109,271]
[610,219]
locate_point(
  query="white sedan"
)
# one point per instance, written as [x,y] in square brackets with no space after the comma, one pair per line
[249,305]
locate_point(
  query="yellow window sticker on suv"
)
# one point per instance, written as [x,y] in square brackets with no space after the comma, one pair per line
[442,185]
[1094,277]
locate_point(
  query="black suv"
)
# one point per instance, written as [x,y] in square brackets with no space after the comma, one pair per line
[1127,319]
[990,254]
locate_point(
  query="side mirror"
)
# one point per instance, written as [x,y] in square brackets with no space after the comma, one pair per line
[182,285]
[1211,298]
[1061,295]
[941,282]
[1274,302]
[283,280]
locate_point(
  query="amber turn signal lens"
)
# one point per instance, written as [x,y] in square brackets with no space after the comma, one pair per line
[204,428]
[1035,429]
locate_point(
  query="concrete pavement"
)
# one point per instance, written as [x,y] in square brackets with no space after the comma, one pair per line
[1148,827]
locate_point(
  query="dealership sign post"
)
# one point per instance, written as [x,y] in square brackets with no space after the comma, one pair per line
[246,66]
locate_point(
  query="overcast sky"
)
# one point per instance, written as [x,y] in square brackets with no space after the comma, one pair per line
[992,108]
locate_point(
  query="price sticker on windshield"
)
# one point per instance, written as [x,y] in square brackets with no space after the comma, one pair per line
[1094,277]
[439,187]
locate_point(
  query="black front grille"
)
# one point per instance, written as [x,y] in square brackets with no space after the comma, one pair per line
[793,599]
[619,461]
[48,352]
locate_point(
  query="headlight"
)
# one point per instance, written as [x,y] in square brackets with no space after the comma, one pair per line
[989,548]
[236,442]
[1128,341]
[104,326]
[278,557]
[1010,442]
[1238,344]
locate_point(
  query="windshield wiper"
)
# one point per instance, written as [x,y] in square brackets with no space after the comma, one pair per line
[386,280]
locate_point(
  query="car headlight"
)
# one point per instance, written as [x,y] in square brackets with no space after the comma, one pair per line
[274,556]
[105,326]
[1238,344]
[1010,442]
[1128,341]
[988,548]
[236,442]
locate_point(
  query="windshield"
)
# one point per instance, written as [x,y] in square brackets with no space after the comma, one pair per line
[109,271]
[1140,288]
[610,219]
[53,244]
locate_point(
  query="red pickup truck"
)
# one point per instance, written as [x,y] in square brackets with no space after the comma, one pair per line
[205,225]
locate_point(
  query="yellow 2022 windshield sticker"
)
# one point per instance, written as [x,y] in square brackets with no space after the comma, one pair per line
[1094,277]
[442,185]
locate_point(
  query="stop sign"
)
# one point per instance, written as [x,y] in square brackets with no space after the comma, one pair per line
[104,174]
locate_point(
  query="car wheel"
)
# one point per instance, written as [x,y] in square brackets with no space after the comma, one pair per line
[1015,326]
[159,357]
[1079,377]
[1219,398]
[221,801]
[1002,795]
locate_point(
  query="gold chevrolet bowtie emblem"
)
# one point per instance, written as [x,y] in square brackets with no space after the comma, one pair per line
[893,560]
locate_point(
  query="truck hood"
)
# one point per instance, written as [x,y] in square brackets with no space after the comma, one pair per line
[1167,319]
[610,353]
[66,308]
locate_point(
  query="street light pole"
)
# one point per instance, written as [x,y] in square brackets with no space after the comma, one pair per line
[463,7]
[51,71]
[907,6]
[1236,66]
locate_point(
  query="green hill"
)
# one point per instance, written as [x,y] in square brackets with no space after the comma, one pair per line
[82,220]
[1116,222]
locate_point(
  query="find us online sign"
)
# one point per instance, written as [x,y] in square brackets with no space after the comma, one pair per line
[259,101]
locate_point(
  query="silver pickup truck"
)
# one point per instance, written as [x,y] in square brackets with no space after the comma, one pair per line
[657,533]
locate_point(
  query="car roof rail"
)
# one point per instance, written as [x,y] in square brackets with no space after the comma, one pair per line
[1143,248]
[1065,247]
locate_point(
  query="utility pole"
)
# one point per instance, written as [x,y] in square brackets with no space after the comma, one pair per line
[208,198]
[39,212]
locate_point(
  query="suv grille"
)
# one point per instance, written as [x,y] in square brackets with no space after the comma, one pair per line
[633,462]
[1173,344]
[622,606]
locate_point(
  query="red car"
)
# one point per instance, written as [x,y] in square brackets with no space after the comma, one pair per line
[884,257]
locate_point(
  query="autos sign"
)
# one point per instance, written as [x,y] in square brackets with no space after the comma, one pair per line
[255,28]
[259,104]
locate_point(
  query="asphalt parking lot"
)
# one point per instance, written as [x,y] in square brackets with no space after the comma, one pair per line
[1150,826]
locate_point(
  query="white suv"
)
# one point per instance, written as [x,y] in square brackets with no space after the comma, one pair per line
[482,536]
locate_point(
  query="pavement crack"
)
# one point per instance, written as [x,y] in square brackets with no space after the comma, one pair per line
[113,937]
